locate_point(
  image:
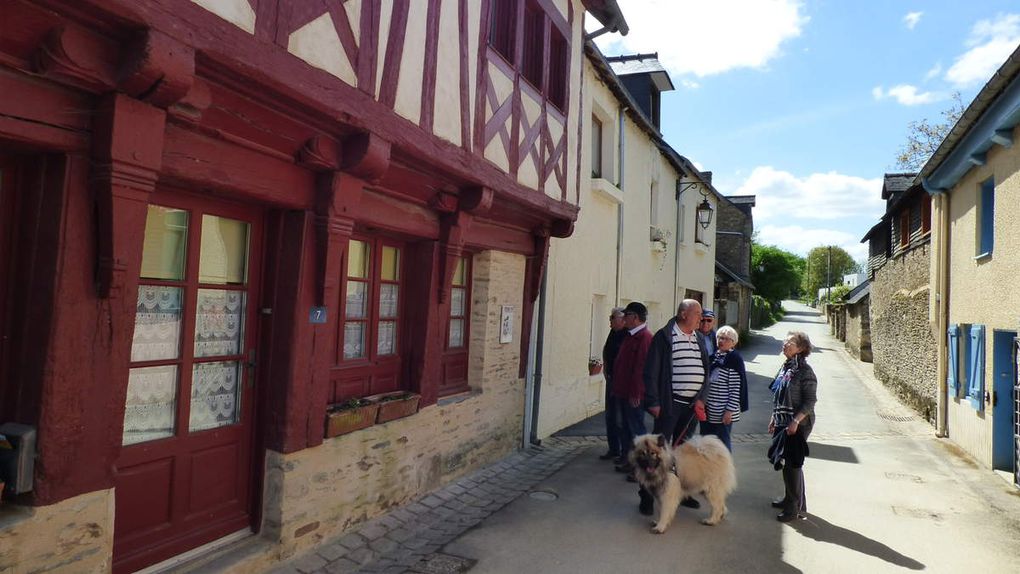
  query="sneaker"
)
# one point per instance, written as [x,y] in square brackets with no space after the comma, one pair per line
[690,503]
[789,516]
[779,503]
[609,456]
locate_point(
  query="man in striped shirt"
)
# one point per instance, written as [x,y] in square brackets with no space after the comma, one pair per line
[676,377]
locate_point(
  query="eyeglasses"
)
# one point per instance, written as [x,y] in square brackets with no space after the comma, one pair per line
[708,320]
[725,338]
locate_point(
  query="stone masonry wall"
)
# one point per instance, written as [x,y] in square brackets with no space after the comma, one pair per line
[903,345]
[858,330]
[321,492]
[74,536]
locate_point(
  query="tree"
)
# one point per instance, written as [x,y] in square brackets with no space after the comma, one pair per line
[923,138]
[776,274]
[820,267]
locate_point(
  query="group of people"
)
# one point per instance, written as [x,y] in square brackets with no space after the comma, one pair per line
[689,375]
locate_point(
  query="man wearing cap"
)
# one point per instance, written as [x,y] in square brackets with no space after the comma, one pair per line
[628,378]
[676,378]
[707,328]
[617,334]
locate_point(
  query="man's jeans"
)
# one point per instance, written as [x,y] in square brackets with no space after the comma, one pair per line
[612,421]
[632,424]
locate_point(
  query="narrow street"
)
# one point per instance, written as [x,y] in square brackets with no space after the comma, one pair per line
[883,495]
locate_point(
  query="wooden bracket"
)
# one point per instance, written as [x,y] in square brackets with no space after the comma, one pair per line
[337,198]
[71,55]
[127,155]
[453,228]
[366,156]
[158,69]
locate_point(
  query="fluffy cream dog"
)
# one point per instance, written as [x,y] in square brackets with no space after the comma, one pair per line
[702,464]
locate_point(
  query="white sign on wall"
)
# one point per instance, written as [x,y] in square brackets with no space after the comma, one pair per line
[506,324]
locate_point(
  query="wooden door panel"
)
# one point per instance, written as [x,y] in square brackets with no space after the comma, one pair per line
[213,479]
[149,485]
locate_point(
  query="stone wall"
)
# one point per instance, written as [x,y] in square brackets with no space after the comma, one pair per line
[903,345]
[74,536]
[320,492]
[858,330]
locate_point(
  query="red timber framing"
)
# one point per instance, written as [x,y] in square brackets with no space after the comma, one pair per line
[163,91]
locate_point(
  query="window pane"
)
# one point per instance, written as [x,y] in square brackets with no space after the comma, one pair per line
[357,259]
[150,405]
[354,340]
[357,300]
[390,264]
[219,322]
[215,390]
[157,324]
[224,256]
[456,333]
[458,273]
[165,243]
[388,300]
[387,338]
[457,302]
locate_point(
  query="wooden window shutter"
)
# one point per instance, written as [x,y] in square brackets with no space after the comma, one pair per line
[976,378]
[952,355]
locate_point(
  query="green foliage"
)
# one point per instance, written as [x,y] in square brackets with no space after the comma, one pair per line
[838,293]
[764,312]
[776,274]
[923,138]
[819,268]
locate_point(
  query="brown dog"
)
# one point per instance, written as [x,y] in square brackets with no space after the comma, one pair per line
[702,464]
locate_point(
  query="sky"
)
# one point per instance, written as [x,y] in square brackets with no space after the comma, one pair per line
[805,104]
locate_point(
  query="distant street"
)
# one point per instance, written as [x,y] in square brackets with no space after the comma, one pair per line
[883,495]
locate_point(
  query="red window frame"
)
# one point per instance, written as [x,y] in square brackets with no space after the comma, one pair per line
[455,379]
[523,33]
[503,28]
[904,227]
[372,372]
[926,214]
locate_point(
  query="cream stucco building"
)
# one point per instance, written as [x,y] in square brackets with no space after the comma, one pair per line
[636,238]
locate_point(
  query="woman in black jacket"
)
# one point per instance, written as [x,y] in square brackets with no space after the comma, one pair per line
[793,417]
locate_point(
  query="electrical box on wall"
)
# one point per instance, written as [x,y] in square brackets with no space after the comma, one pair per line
[17,457]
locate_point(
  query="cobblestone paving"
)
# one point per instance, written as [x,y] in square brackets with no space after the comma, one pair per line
[407,540]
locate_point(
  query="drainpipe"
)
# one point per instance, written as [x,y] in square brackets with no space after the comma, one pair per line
[620,150]
[536,385]
[942,314]
[676,250]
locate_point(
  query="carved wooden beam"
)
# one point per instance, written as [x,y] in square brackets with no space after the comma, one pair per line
[561,228]
[127,154]
[476,200]
[157,69]
[337,199]
[366,155]
[319,153]
[70,55]
[453,228]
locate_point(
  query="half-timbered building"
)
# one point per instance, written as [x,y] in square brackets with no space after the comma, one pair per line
[220,217]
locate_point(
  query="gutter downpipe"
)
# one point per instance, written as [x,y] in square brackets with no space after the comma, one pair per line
[941,308]
[620,149]
[536,377]
[676,254]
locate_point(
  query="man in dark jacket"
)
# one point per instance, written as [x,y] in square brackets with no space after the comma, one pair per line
[616,336]
[628,378]
[676,379]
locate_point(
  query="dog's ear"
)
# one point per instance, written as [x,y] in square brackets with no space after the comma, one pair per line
[661,440]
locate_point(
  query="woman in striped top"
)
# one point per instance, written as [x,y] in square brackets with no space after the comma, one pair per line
[727,388]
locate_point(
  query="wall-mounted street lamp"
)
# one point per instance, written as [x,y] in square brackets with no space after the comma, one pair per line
[705,212]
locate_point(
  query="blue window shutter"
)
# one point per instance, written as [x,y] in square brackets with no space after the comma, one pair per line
[987,235]
[953,354]
[976,380]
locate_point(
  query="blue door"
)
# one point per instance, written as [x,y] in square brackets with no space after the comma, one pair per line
[1003,432]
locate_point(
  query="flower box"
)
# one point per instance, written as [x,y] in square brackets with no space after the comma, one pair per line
[353,415]
[395,405]
[594,366]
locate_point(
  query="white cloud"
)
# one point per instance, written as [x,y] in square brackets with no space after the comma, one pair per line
[826,196]
[798,239]
[934,71]
[990,42]
[906,95]
[911,19]
[705,38]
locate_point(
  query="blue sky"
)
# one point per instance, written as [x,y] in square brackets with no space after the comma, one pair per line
[805,104]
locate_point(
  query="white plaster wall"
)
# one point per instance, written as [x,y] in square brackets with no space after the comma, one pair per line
[412,63]
[984,292]
[317,43]
[446,111]
[495,151]
[385,16]
[237,12]
[527,173]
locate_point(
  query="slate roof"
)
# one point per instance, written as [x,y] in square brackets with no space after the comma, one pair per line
[859,292]
[896,182]
[719,267]
[635,64]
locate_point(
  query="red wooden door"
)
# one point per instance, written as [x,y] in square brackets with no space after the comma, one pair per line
[7,187]
[185,473]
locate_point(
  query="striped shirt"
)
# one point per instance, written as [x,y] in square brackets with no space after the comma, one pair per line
[688,370]
[723,393]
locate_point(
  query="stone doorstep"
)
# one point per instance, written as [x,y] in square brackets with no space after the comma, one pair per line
[249,554]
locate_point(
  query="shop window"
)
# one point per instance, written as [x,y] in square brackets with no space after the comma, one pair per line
[986,219]
[455,357]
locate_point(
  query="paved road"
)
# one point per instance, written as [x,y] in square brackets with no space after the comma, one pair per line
[884,496]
